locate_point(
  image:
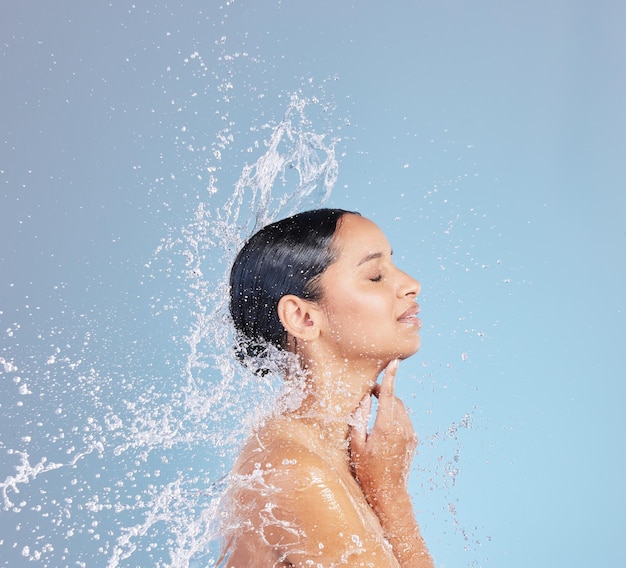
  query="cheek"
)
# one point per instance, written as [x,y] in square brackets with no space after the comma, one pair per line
[358,313]
[344,316]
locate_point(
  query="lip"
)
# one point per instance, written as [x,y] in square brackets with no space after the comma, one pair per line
[410,316]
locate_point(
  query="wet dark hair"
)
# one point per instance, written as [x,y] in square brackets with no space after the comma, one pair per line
[286,257]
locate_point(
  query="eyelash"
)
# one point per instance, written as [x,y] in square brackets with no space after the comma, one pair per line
[377,279]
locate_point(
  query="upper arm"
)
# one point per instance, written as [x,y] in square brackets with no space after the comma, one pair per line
[304,512]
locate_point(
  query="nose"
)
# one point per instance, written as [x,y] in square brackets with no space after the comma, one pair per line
[408,286]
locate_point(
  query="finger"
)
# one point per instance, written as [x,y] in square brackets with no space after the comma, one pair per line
[361,419]
[386,396]
[389,379]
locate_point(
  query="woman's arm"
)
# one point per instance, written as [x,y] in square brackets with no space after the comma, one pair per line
[381,462]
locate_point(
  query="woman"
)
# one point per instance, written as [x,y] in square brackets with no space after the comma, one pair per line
[312,487]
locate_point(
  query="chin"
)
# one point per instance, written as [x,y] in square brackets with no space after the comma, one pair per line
[409,351]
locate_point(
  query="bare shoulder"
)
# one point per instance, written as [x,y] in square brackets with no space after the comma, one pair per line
[302,507]
[276,454]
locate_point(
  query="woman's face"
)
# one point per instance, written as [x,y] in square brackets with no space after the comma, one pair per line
[368,304]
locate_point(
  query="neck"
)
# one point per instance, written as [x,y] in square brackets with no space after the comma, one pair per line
[332,393]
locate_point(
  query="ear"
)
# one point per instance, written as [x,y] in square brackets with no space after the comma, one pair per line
[298,317]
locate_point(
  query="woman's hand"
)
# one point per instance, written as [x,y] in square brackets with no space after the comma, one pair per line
[381,459]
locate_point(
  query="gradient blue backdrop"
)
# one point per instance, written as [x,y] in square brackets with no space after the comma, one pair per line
[486,138]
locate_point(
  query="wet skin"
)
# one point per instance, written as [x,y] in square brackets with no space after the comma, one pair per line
[312,484]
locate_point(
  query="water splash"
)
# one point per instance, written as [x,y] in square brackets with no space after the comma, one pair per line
[117,450]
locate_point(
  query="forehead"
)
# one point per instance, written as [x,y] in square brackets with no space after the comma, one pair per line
[358,237]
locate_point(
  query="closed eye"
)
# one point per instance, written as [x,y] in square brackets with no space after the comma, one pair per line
[377,278]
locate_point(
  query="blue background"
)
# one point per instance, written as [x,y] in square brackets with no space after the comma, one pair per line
[486,138]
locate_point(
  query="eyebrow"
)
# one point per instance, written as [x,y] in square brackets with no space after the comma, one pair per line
[372,256]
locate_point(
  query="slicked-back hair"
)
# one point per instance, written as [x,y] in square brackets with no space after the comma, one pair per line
[285,257]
